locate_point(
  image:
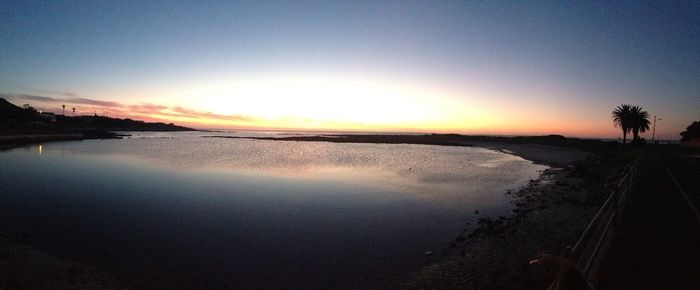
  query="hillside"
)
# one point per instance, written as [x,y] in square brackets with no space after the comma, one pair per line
[15,120]
[8,111]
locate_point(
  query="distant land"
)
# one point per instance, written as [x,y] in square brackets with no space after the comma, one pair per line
[26,124]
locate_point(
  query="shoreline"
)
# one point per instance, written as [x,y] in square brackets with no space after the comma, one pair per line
[552,156]
[548,217]
[13,141]
[8,141]
[500,246]
[546,150]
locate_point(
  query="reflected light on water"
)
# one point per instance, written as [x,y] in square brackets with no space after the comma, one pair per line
[171,202]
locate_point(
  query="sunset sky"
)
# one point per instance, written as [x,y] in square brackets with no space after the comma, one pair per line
[482,67]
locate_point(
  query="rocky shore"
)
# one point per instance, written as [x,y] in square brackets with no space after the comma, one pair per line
[548,216]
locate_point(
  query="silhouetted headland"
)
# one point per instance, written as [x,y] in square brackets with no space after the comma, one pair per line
[27,125]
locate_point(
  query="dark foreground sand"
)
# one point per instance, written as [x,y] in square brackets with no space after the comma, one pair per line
[23,267]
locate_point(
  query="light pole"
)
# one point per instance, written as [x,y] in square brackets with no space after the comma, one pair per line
[653,131]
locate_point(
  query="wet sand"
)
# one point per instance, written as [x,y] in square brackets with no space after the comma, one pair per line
[553,156]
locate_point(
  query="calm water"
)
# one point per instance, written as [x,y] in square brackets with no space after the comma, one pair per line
[177,210]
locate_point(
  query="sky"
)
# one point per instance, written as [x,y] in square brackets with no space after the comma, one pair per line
[471,67]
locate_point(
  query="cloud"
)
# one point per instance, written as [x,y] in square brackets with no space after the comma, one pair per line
[147,111]
[148,107]
[28,98]
[66,101]
[84,101]
[209,115]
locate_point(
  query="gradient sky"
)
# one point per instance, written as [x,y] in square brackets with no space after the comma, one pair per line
[486,67]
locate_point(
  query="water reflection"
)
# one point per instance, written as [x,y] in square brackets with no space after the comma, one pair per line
[438,173]
[178,211]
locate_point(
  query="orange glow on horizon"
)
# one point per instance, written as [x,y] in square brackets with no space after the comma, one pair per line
[344,103]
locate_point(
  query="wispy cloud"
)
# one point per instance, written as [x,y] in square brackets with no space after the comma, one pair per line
[28,98]
[209,115]
[150,112]
[84,101]
[66,101]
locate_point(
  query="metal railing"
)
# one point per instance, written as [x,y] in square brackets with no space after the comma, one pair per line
[584,252]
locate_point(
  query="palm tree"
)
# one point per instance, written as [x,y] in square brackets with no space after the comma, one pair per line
[640,121]
[622,117]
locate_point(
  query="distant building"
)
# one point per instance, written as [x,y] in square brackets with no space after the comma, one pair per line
[51,117]
[28,107]
[692,142]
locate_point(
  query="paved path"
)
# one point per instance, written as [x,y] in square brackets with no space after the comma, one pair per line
[657,243]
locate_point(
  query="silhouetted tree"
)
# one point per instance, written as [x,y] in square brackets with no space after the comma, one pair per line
[693,131]
[64,109]
[640,121]
[622,118]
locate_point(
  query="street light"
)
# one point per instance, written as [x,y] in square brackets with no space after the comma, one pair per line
[653,131]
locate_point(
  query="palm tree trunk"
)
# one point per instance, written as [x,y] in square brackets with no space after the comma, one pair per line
[624,136]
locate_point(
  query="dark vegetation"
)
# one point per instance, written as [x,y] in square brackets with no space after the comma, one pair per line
[631,119]
[692,131]
[26,124]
